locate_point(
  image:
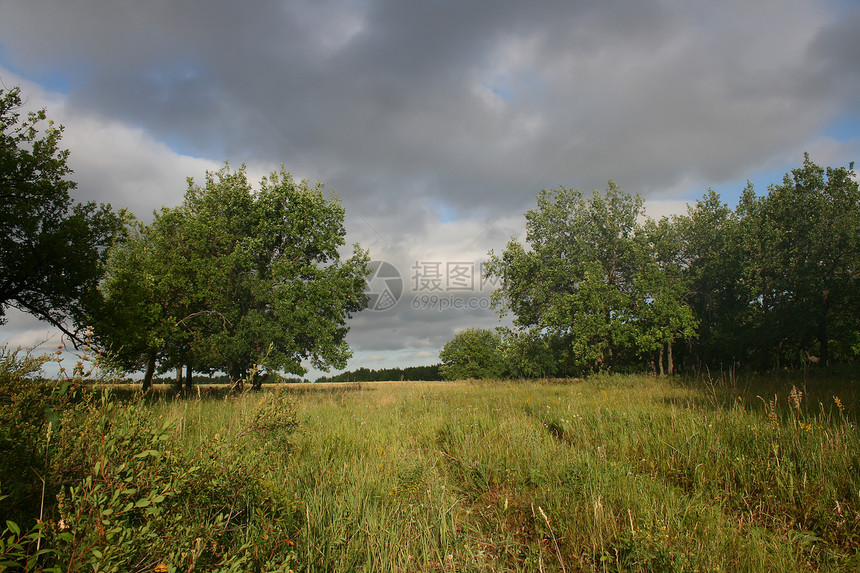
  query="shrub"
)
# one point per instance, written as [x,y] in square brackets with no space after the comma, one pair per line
[129,495]
[30,411]
[473,353]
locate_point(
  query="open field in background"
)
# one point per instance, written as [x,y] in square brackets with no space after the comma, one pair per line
[619,473]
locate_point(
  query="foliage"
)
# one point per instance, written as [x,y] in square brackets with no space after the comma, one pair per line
[51,249]
[804,245]
[714,260]
[30,411]
[661,311]
[144,501]
[472,353]
[528,354]
[132,317]
[595,288]
[124,494]
[771,284]
[20,550]
[235,278]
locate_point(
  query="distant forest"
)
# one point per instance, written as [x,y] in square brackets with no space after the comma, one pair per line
[411,373]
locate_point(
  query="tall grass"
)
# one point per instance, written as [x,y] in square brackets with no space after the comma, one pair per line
[608,474]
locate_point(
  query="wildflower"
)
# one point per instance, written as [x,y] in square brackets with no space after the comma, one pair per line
[839,404]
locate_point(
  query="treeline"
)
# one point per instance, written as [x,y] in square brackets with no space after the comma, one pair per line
[246,281]
[410,373]
[223,379]
[773,283]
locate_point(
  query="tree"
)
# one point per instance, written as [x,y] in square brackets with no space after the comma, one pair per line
[713,261]
[661,288]
[528,354]
[575,286]
[804,244]
[132,318]
[51,249]
[237,279]
[472,353]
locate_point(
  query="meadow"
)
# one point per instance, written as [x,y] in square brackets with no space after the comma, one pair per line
[620,473]
[610,473]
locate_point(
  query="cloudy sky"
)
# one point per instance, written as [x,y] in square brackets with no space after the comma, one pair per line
[436,122]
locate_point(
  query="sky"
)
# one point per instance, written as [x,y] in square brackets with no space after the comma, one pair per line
[436,122]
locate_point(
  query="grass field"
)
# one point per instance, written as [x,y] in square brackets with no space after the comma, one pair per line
[607,474]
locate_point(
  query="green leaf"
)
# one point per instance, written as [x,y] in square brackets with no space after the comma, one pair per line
[13,527]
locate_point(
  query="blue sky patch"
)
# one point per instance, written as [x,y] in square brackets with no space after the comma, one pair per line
[51,79]
[845,128]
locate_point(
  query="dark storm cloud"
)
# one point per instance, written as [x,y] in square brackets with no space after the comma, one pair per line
[836,55]
[480,103]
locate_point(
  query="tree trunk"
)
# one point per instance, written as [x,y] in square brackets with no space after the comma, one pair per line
[660,362]
[178,382]
[671,362]
[150,371]
[237,379]
[257,381]
[189,384]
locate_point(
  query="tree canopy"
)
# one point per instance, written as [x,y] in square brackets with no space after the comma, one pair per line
[595,288]
[803,248]
[772,283]
[51,248]
[236,278]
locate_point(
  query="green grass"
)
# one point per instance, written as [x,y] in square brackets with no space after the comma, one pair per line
[609,474]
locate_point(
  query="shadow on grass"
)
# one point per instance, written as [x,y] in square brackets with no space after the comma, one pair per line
[169,393]
[827,387]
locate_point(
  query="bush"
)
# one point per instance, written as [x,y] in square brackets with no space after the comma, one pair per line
[473,353]
[30,409]
[130,496]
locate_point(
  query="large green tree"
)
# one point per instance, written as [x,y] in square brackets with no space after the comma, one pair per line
[713,261]
[803,240]
[51,248]
[574,285]
[234,278]
[594,288]
[133,319]
[662,313]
